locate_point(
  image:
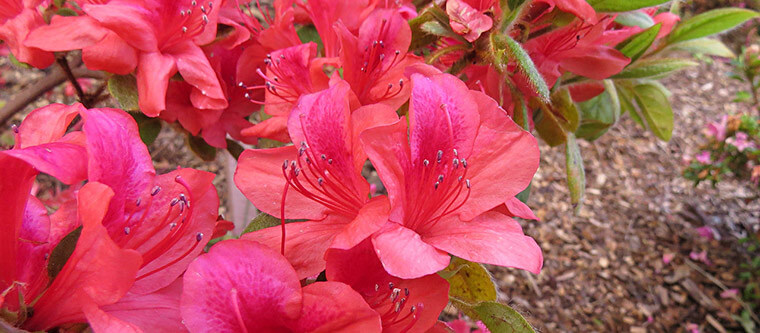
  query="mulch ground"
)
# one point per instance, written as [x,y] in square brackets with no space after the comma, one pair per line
[603,269]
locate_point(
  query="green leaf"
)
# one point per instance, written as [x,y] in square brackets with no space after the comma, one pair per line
[654,68]
[525,194]
[470,283]
[506,49]
[422,37]
[599,113]
[623,5]
[500,318]
[636,45]
[308,33]
[652,100]
[66,12]
[576,175]
[234,148]
[635,19]
[16,63]
[201,148]
[124,89]
[149,127]
[710,23]
[707,46]
[261,221]
[558,118]
[62,252]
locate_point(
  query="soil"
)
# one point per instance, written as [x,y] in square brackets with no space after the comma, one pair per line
[603,269]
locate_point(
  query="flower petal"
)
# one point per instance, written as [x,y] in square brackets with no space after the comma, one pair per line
[154,312]
[305,242]
[127,20]
[517,152]
[67,33]
[275,128]
[65,161]
[196,70]
[46,124]
[491,238]
[153,72]
[16,178]
[404,254]
[388,148]
[515,207]
[371,218]
[112,54]
[260,177]
[240,282]
[335,307]
[97,273]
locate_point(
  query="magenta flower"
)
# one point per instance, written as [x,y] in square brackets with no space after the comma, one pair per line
[740,141]
[704,157]
[717,130]
[243,286]
[444,176]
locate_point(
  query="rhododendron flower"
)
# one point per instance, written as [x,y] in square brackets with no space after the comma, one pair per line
[467,20]
[325,13]
[157,38]
[243,286]
[290,73]
[444,176]
[667,258]
[374,61]
[729,293]
[717,130]
[704,157]
[318,179]
[17,19]
[578,48]
[404,305]
[739,140]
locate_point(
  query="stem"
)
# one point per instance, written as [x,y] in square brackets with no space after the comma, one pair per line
[61,60]
[36,89]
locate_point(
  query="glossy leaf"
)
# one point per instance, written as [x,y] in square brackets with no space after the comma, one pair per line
[149,127]
[201,148]
[599,113]
[653,103]
[576,175]
[623,5]
[502,318]
[654,68]
[61,253]
[124,89]
[261,221]
[636,45]
[710,23]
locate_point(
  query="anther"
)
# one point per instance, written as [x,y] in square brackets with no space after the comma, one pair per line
[467,182]
[397,52]
[174,202]
[193,3]
[14,128]
[329,161]
[297,171]
[455,162]
[205,18]
[155,191]
[377,287]
[320,180]
[406,291]
[247,96]
[323,156]
[440,178]
[184,29]
[440,155]
[435,186]
[126,230]
[464,163]
[456,153]
[198,236]
[425,162]
[137,203]
[172,225]
[390,285]
[285,165]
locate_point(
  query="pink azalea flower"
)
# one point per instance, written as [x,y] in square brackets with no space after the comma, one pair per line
[17,19]
[326,13]
[466,20]
[579,8]
[704,157]
[444,177]
[700,256]
[717,130]
[243,286]
[706,232]
[155,38]
[318,179]
[730,293]
[740,141]
[403,305]
[667,258]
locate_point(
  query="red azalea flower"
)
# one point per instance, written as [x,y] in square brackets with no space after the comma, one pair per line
[243,286]
[579,8]
[444,175]
[325,13]
[158,38]
[318,179]
[403,305]
[578,48]
[213,125]
[374,62]
[468,19]
[290,73]
[17,19]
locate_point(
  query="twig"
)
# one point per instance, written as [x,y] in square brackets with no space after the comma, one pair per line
[722,286]
[35,90]
[61,60]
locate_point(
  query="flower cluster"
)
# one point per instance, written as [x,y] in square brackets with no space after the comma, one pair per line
[436,98]
[732,147]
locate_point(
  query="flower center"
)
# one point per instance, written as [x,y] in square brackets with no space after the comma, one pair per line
[391,303]
[375,64]
[191,23]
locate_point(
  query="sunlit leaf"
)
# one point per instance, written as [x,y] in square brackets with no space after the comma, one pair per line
[710,23]
[500,318]
[124,89]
